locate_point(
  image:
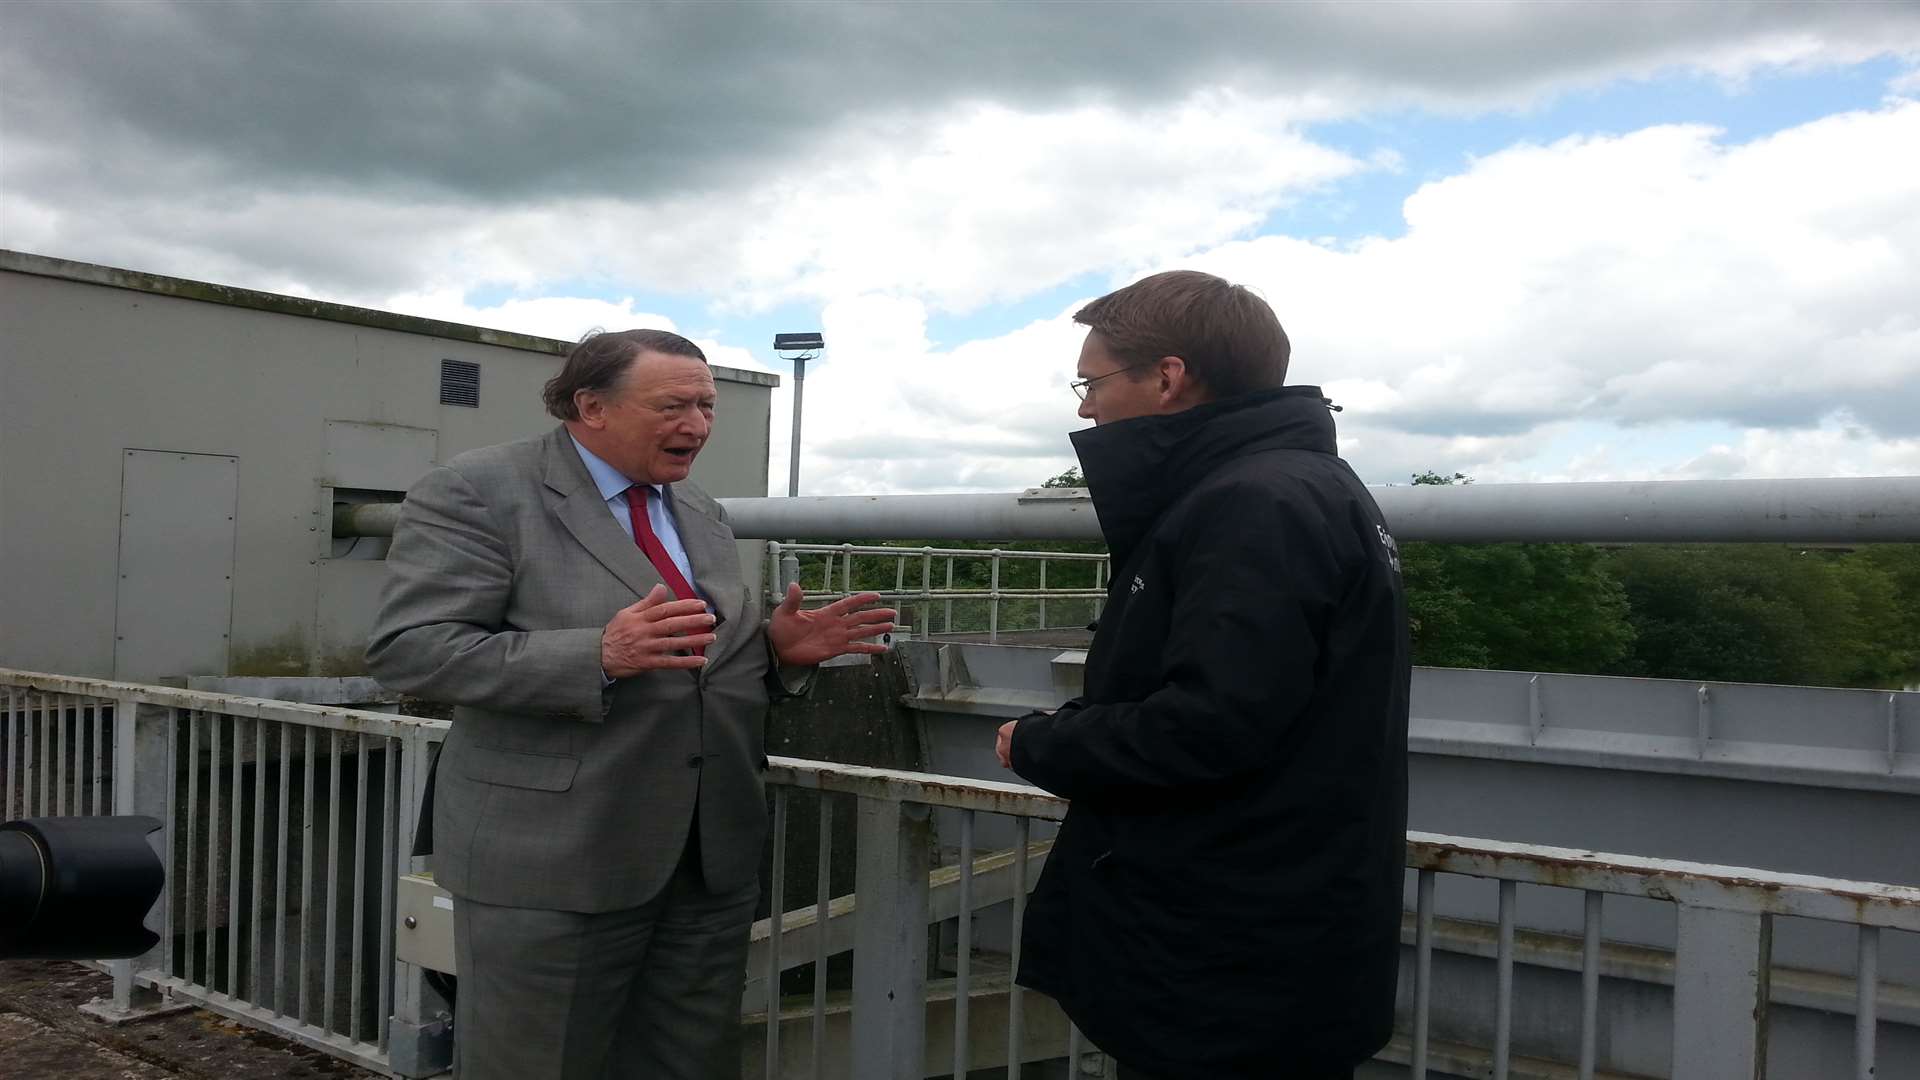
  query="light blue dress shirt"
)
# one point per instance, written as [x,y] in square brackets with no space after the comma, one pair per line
[613,488]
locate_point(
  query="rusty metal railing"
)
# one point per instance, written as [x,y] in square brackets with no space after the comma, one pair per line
[1719,971]
[285,828]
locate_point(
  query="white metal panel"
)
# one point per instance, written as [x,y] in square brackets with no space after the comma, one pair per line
[383,457]
[174,601]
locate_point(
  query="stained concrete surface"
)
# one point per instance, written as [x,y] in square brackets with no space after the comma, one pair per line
[45,1036]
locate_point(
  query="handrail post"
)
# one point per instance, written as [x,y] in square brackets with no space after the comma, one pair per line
[420,1035]
[1720,977]
[143,784]
[890,940]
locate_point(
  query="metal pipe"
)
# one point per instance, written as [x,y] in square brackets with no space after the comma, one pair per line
[1879,509]
[364,519]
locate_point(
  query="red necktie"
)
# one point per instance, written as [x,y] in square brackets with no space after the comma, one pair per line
[656,551]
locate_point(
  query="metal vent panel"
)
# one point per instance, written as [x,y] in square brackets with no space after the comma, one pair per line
[460,383]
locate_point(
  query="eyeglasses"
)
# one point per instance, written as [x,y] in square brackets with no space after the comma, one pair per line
[1084,387]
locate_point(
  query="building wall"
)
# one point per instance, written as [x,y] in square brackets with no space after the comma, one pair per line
[163,440]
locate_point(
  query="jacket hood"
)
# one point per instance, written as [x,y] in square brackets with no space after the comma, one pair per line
[1136,468]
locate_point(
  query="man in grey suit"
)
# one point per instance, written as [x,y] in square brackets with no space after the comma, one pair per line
[598,809]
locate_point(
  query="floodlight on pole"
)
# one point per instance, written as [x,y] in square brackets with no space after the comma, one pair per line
[799,348]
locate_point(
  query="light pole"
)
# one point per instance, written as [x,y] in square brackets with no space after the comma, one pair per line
[803,347]
[799,348]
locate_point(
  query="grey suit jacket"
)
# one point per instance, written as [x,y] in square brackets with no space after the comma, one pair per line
[552,791]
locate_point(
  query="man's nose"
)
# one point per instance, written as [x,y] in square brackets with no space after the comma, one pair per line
[1086,408]
[699,424]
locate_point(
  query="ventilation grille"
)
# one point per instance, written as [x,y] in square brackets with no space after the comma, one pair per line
[459,383]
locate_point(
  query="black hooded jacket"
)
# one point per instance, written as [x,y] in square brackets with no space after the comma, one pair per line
[1224,896]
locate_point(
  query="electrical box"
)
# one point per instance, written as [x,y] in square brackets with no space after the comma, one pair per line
[423,933]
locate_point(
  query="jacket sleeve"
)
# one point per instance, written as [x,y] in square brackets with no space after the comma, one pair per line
[1255,582]
[440,632]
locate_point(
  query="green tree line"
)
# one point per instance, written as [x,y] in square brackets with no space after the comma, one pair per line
[1733,612]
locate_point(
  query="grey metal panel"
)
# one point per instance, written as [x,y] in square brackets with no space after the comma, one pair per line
[383,457]
[174,604]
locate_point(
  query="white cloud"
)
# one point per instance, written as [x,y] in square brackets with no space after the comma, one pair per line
[1655,278]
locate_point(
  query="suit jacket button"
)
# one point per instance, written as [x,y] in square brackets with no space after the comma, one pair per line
[694,761]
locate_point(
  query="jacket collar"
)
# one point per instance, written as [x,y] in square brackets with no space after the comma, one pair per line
[1136,468]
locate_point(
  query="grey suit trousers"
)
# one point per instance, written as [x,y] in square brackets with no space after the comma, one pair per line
[643,993]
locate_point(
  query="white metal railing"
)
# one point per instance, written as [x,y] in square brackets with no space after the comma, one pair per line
[285,828]
[926,577]
[1720,968]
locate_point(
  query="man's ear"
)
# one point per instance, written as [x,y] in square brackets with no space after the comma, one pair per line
[1176,383]
[592,410]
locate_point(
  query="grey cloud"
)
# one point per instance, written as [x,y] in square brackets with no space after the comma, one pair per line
[502,101]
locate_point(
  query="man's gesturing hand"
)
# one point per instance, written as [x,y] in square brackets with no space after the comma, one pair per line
[802,638]
[646,636]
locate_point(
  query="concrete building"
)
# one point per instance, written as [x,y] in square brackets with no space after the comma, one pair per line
[172,453]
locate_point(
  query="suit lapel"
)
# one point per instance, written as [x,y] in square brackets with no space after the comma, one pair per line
[578,505]
[711,551]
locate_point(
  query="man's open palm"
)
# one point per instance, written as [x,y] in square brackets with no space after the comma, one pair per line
[802,638]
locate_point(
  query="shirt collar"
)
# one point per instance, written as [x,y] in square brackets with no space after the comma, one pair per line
[608,479]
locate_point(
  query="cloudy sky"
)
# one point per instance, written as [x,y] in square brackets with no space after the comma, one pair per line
[1525,241]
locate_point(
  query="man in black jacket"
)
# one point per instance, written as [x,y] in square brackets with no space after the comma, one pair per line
[1224,896]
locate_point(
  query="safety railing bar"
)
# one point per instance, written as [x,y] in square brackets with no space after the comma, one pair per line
[259,856]
[776,892]
[357,948]
[280,877]
[883,549]
[332,717]
[389,880]
[1422,973]
[234,849]
[173,803]
[307,834]
[1503,1004]
[62,774]
[822,896]
[1590,982]
[46,743]
[212,936]
[193,822]
[327,961]
[1723,888]
[99,757]
[963,949]
[927,789]
[1866,1002]
[1016,1015]
[13,754]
